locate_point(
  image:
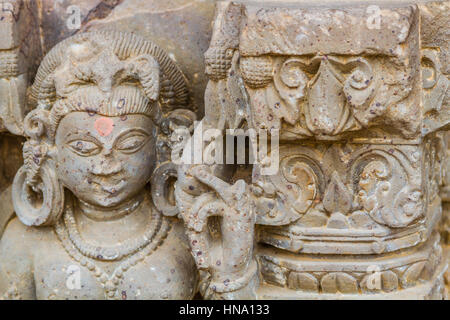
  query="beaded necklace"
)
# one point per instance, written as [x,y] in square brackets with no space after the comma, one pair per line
[160,227]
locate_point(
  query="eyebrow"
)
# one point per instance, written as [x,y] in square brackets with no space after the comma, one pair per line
[72,135]
[131,130]
[81,133]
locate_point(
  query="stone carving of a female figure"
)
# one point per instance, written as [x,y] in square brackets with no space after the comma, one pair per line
[94,216]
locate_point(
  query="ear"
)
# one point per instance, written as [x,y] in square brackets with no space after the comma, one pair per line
[37,178]
[30,211]
[163,190]
[36,124]
[146,69]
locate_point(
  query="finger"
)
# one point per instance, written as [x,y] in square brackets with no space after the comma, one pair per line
[217,184]
[188,183]
[198,221]
[200,249]
[190,206]
[237,239]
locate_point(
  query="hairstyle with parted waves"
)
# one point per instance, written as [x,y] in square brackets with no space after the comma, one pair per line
[105,66]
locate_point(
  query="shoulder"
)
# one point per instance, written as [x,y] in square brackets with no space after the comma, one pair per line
[15,251]
[19,237]
[6,209]
[15,231]
[176,241]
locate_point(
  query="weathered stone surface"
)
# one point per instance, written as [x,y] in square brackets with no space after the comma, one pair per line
[347,201]
[357,104]
[180,27]
[19,50]
[92,147]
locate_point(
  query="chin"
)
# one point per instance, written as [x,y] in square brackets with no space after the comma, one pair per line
[107,201]
[104,200]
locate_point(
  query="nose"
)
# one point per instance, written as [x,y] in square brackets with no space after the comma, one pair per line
[107,170]
[107,166]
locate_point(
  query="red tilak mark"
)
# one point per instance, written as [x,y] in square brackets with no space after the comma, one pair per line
[104,126]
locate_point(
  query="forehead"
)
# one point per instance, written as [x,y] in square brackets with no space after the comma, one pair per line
[100,126]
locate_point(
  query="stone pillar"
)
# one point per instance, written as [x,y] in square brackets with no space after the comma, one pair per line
[357,94]
[445,196]
[434,39]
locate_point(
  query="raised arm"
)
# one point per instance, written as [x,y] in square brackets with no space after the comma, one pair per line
[220,225]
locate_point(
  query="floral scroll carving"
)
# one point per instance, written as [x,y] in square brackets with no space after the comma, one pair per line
[385,189]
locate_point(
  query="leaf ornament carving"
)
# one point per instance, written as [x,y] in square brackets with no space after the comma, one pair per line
[327,90]
[359,89]
[290,82]
[326,111]
[407,206]
[374,186]
[302,181]
[337,197]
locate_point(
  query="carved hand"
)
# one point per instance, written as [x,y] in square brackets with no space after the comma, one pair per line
[227,252]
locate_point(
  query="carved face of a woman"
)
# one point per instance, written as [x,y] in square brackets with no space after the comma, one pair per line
[104,160]
[100,98]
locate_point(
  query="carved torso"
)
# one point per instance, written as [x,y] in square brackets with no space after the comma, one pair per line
[166,273]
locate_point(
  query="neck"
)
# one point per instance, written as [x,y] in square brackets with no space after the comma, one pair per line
[99,213]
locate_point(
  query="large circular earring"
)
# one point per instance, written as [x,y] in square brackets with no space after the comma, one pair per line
[39,205]
[161,187]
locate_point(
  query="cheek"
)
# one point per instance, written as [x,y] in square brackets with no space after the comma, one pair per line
[139,166]
[72,170]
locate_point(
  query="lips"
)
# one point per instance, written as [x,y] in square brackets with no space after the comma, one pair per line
[111,188]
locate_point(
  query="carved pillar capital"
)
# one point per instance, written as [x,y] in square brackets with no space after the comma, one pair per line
[358,93]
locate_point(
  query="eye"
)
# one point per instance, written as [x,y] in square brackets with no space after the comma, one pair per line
[84,148]
[132,142]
